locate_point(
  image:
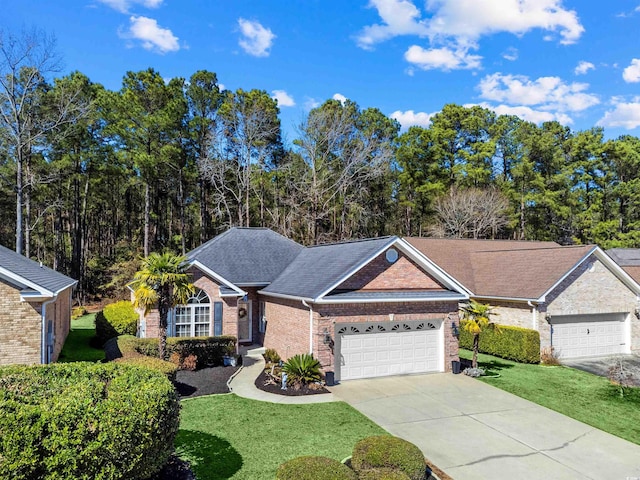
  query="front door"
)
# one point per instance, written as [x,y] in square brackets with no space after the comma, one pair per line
[244,321]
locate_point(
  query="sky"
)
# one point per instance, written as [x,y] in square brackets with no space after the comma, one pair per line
[574,61]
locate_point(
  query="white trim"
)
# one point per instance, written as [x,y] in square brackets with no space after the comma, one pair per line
[13,277]
[253,284]
[43,340]
[508,299]
[211,273]
[310,326]
[327,301]
[285,296]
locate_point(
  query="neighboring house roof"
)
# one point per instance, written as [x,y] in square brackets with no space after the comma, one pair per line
[246,256]
[509,269]
[32,278]
[628,259]
[320,269]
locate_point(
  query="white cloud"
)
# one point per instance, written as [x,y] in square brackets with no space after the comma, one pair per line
[548,93]
[152,36]
[625,115]
[256,40]
[529,114]
[465,21]
[341,98]
[441,58]
[510,54]
[583,67]
[410,118]
[631,74]
[123,6]
[311,103]
[283,98]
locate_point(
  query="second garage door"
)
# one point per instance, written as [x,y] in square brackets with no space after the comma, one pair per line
[588,335]
[388,348]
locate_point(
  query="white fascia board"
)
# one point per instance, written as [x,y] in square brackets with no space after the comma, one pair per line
[285,296]
[253,284]
[506,299]
[14,278]
[73,285]
[328,301]
[217,277]
[34,297]
[433,268]
[358,267]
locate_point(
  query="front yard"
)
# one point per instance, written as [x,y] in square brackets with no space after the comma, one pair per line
[229,437]
[577,394]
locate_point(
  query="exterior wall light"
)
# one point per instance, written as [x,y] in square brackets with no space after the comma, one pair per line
[326,337]
[454,330]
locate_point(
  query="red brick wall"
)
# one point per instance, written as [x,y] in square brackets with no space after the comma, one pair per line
[288,324]
[379,274]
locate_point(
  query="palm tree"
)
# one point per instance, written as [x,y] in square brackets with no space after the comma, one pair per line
[477,318]
[162,281]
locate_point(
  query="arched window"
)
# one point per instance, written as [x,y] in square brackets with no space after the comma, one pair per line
[194,318]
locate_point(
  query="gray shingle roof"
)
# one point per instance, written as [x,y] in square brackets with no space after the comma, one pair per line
[29,271]
[625,257]
[247,255]
[318,268]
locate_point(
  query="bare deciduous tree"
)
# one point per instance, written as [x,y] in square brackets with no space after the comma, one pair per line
[471,213]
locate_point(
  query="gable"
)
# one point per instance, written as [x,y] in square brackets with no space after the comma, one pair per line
[380,274]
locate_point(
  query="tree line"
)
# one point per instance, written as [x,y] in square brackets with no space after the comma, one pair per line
[93,179]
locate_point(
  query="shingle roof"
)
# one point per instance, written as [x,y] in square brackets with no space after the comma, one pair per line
[30,272]
[247,255]
[503,268]
[628,259]
[316,269]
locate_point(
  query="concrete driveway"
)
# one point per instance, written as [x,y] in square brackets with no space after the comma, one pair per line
[475,431]
[600,365]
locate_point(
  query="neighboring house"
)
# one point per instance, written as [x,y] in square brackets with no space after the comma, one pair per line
[628,259]
[581,302]
[364,308]
[35,310]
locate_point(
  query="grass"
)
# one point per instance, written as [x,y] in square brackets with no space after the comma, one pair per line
[580,395]
[229,437]
[77,347]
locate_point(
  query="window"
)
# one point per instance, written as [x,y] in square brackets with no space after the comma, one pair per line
[262,322]
[194,318]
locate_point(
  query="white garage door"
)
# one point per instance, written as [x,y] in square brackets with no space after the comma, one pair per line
[390,348]
[588,335]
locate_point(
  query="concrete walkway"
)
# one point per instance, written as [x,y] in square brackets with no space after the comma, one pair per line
[472,430]
[243,384]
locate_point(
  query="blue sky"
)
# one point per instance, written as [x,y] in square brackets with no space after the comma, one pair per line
[575,61]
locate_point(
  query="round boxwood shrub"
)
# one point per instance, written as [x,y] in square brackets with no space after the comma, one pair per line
[314,468]
[85,421]
[385,451]
[116,319]
[382,474]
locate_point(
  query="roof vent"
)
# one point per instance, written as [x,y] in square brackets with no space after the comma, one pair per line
[391,255]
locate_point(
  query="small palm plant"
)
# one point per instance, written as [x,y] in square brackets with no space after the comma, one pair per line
[477,318]
[161,282]
[302,370]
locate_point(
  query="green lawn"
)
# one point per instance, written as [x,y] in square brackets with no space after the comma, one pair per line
[77,347]
[588,398]
[229,437]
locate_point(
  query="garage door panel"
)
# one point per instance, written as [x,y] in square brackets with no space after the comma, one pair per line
[588,335]
[391,352]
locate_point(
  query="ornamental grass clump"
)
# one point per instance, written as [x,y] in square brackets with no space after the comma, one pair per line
[314,468]
[302,370]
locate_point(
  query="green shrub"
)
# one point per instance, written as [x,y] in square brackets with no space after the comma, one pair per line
[85,421]
[208,351]
[314,468]
[271,356]
[167,369]
[302,370]
[385,451]
[116,319]
[513,343]
[382,474]
[78,312]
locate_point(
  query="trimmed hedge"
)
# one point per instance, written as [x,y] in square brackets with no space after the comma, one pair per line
[314,468]
[167,369]
[513,343]
[85,421]
[385,451]
[116,319]
[382,474]
[209,351]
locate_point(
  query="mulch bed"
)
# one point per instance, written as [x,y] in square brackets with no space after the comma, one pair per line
[289,391]
[205,381]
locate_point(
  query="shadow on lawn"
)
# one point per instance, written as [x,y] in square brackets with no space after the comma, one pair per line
[491,367]
[211,457]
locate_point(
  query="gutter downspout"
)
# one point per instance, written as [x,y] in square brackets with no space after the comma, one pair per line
[534,314]
[43,342]
[310,325]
